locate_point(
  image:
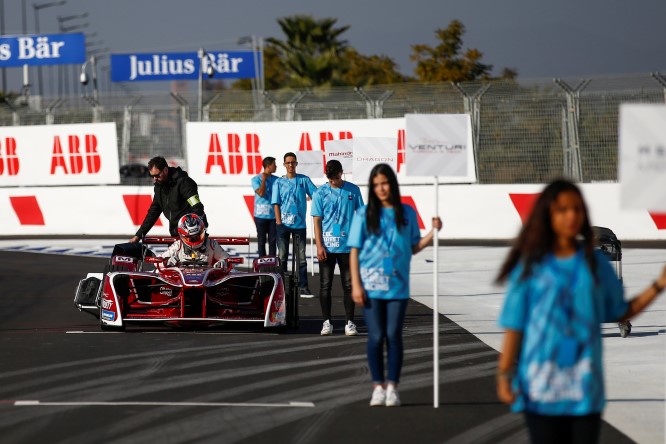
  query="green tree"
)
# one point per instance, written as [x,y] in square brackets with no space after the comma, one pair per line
[445,62]
[361,70]
[311,51]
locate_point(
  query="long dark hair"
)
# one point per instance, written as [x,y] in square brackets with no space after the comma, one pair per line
[374,204]
[537,237]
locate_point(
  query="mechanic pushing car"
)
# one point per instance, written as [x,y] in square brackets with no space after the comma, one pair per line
[194,245]
[176,195]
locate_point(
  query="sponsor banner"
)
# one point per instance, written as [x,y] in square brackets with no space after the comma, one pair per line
[468,211]
[78,154]
[230,153]
[440,145]
[370,151]
[182,65]
[341,150]
[311,163]
[642,145]
[42,49]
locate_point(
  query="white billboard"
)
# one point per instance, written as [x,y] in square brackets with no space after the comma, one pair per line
[78,154]
[642,164]
[440,145]
[230,153]
[371,151]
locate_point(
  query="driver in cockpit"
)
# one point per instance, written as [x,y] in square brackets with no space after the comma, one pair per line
[194,245]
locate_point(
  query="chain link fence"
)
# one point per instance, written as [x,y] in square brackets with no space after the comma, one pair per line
[526,131]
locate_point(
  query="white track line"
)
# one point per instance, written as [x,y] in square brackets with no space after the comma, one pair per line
[25,403]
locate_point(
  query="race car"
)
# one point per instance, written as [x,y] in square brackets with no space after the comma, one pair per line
[188,294]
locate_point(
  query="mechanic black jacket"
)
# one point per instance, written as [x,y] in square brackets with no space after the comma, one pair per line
[176,197]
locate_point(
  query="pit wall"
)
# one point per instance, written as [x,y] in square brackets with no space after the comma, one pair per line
[468,211]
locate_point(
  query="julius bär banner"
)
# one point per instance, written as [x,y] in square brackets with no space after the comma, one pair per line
[230,153]
[43,49]
[183,65]
[79,154]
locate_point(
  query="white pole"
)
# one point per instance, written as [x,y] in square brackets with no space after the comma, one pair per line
[435,305]
[312,253]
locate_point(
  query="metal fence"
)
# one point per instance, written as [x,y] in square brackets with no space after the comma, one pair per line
[526,131]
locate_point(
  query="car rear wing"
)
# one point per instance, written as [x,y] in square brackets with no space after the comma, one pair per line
[220,240]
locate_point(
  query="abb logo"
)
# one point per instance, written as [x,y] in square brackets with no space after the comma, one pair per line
[72,161]
[234,159]
[8,157]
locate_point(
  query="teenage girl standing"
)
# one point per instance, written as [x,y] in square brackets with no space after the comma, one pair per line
[383,236]
[560,289]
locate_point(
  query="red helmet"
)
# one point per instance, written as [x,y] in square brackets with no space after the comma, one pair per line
[192,230]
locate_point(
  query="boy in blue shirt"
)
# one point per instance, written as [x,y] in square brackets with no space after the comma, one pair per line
[289,202]
[264,214]
[333,208]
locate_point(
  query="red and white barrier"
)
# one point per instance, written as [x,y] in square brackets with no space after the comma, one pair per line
[468,211]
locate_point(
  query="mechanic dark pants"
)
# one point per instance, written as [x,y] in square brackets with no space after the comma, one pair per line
[326,274]
[266,227]
[283,235]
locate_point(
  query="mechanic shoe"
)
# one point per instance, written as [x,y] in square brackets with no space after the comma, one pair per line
[378,396]
[392,397]
[327,328]
[350,329]
[306,293]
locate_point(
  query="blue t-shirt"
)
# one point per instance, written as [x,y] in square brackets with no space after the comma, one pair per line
[336,207]
[263,209]
[559,309]
[290,195]
[384,257]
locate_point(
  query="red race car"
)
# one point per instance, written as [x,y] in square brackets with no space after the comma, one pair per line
[189,294]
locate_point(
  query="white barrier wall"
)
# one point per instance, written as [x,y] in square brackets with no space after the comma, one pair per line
[468,211]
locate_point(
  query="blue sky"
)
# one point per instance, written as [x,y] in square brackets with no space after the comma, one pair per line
[541,39]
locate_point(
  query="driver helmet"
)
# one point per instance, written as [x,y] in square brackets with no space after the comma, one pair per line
[192,231]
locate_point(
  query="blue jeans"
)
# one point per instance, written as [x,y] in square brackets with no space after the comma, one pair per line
[283,235]
[266,227]
[384,319]
[326,273]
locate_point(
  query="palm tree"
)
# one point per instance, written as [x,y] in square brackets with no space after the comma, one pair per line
[311,53]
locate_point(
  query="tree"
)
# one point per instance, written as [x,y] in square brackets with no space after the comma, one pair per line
[444,62]
[311,51]
[364,70]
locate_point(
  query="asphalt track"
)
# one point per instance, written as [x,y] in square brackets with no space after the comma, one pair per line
[64,381]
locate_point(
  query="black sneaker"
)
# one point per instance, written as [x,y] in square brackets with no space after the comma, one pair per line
[306,293]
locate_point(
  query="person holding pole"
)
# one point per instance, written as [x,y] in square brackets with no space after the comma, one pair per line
[264,214]
[289,202]
[560,289]
[383,237]
[333,208]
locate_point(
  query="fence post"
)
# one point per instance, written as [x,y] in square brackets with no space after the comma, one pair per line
[369,105]
[573,167]
[472,106]
[184,118]
[275,106]
[50,116]
[291,105]
[661,80]
[379,103]
[127,131]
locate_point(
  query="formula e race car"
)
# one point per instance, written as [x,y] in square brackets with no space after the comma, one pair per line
[136,287]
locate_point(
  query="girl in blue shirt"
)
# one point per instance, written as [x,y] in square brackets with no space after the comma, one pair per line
[559,292]
[383,236]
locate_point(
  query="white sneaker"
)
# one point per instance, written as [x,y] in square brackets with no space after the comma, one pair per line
[378,396]
[350,329]
[392,397]
[327,328]
[306,293]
